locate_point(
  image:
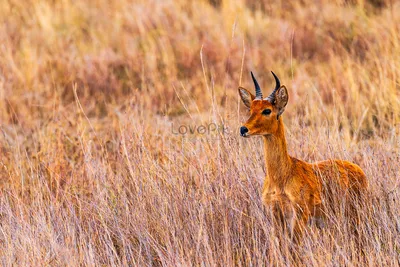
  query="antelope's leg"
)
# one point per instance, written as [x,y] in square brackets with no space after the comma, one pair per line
[287,217]
[290,219]
[284,216]
[301,218]
[278,214]
[318,216]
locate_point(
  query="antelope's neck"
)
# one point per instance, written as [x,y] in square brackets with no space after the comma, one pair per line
[277,159]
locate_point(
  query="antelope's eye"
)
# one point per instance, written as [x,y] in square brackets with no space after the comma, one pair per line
[266,111]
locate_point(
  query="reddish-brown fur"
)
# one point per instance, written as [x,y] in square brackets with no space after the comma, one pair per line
[292,187]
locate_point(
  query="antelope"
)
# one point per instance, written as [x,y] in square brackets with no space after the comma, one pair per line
[293,188]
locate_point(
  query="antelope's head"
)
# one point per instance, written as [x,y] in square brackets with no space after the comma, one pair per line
[265,113]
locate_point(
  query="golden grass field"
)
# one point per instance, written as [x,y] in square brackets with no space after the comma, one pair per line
[93,94]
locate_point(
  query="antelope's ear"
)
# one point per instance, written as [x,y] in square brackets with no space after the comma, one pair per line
[246,96]
[281,99]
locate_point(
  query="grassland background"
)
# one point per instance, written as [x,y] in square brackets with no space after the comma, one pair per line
[91,93]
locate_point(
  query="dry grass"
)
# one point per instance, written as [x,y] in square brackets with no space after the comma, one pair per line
[92,93]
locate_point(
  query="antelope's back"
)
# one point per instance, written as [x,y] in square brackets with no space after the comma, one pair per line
[344,174]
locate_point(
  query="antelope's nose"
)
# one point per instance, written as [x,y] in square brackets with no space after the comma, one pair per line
[243,131]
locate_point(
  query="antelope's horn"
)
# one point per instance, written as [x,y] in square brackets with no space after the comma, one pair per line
[271,97]
[257,86]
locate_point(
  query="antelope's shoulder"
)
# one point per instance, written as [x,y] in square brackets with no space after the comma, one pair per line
[304,184]
[302,173]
